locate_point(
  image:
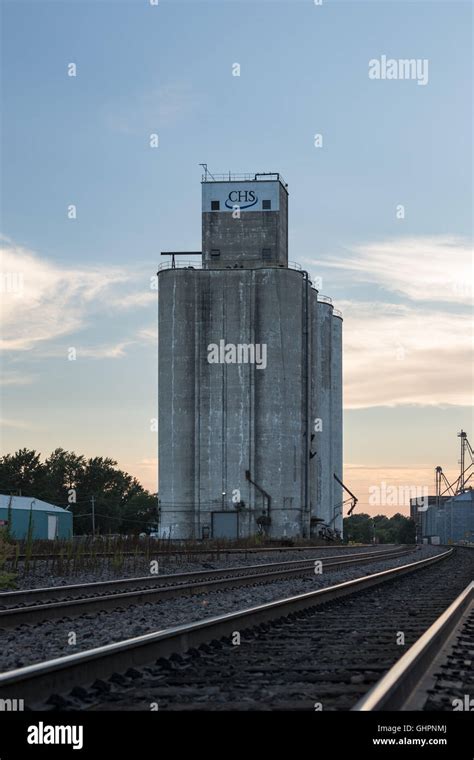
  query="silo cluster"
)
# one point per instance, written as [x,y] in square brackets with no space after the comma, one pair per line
[250,379]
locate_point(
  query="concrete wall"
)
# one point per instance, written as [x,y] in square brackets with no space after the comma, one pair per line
[176,391]
[241,240]
[217,421]
[336,421]
[280,414]
[324,412]
[313,454]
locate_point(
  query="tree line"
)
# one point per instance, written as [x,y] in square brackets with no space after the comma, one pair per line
[70,480]
[122,505]
[362,528]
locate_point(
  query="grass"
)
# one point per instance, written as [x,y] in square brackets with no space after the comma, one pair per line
[69,557]
[7,549]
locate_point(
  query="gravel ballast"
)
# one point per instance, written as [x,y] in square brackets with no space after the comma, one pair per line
[40,575]
[28,644]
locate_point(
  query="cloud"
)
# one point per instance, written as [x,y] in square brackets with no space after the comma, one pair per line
[405,354]
[113,351]
[42,301]
[132,300]
[15,378]
[149,462]
[146,471]
[116,351]
[19,424]
[438,268]
[149,334]
[370,482]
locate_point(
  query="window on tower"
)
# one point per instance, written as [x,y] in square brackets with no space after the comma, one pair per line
[266,205]
[215,205]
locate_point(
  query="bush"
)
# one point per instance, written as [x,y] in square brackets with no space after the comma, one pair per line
[7,580]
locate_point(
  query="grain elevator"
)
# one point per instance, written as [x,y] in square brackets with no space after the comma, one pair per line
[249,378]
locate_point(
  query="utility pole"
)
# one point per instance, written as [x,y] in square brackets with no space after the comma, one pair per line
[93,514]
[462,435]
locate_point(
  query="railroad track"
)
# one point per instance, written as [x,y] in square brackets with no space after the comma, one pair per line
[436,673]
[318,650]
[214,552]
[37,605]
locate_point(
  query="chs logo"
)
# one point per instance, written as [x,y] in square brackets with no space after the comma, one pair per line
[242,198]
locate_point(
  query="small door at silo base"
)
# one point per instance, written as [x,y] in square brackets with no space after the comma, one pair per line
[52,526]
[225,525]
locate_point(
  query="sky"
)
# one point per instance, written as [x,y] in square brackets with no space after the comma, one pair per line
[380,209]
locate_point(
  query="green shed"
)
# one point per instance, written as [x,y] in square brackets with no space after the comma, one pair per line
[48,521]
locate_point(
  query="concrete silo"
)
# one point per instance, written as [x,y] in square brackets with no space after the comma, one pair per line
[336,417]
[244,373]
[324,411]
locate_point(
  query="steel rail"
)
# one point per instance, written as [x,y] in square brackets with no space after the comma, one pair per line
[398,687]
[79,589]
[15,616]
[36,682]
[180,552]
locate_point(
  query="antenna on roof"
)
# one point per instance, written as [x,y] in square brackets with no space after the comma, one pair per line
[206,172]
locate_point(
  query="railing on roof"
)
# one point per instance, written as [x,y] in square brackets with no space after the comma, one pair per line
[324,299]
[180,265]
[236,177]
[337,313]
[199,265]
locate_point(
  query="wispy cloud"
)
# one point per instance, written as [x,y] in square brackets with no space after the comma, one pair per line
[105,351]
[133,300]
[148,334]
[405,354]
[15,378]
[146,470]
[437,268]
[390,481]
[43,301]
[18,424]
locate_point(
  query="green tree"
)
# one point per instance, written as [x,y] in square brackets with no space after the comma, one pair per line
[358,528]
[398,529]
[111,489]
[405,528]
[140,513]
[65,474]
[21,473]
[62,473]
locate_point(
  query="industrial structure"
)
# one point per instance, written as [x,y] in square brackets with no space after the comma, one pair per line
[448,516]
[250,377]
[23,515]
